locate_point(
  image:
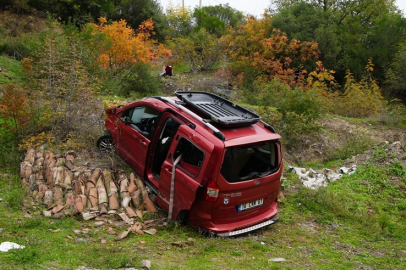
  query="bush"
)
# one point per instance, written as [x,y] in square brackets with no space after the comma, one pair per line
[360,99]
[297,109]
[138,79]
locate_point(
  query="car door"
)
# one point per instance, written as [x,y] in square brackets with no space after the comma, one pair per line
[191,153]
[134,133]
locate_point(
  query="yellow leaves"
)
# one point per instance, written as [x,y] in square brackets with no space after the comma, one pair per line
[360,99]
[123,46]
[321,78]
[370,66]
[102,20]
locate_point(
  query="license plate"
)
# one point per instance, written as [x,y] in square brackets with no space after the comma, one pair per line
[250,205]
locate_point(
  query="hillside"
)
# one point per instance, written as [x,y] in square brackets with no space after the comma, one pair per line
[356,222]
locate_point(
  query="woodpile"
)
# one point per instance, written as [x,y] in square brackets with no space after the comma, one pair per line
[65,189]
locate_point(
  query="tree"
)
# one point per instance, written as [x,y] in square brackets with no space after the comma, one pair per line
[14,108]
[62,92]
[275,56]
[348,32]
[79,12]
[200,50]
[217,19]
[134,12]
[395,76]
[118,45]
[179,20]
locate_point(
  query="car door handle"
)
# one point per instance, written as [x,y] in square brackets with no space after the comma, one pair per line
[144,143]
[168,170]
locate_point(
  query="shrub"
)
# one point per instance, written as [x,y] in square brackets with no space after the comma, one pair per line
[139,79]
[360,99]
[297,109]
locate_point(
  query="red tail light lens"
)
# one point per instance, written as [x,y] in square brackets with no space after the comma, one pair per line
[212,191]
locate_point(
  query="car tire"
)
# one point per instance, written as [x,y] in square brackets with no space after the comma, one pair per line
[183,217]
[105,144]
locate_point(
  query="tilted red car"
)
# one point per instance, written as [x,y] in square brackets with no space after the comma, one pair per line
[223,162]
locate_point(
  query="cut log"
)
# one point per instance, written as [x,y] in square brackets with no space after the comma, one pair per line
[30,155]
[80,203]
[67,181]
[126,199]
[113,202]
[70,159]
[132,186]
[135,198]
[58,196]
[95,175]
[48,198]
[107,175]
[130,212]
[149,206]
[140,184]
[123,181]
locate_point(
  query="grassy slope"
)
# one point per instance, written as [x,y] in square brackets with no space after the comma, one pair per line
[10,70]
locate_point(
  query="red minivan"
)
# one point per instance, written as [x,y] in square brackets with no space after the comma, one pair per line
[213,164]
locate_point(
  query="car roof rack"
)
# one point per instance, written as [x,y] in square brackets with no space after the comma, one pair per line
[218,109]
[216,132]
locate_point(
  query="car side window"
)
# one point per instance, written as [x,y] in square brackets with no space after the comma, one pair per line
[192,157]
[141,118]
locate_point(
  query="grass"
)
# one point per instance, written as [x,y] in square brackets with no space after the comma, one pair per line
[10,70]
[356,222]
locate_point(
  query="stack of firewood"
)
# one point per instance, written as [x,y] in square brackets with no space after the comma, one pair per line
[66,189]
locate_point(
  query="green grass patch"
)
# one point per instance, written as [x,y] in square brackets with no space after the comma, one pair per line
[11,70]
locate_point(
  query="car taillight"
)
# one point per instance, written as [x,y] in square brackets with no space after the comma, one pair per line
[212,191]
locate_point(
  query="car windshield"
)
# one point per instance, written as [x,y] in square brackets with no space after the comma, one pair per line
[244,163]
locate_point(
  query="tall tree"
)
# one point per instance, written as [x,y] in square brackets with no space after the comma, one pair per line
[78,11]
[217,19]
[134,12]
[348,32]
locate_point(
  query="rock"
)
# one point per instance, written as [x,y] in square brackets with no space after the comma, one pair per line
[146,264]
[277,260]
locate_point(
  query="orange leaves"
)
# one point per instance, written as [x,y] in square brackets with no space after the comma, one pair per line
[14,106]
[273,54]
[282,58]
[123,46]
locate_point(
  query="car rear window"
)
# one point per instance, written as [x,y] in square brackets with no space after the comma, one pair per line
[244,163]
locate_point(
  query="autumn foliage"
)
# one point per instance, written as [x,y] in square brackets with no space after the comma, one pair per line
[272,54]
[360,99]
[14,108]
[122,46]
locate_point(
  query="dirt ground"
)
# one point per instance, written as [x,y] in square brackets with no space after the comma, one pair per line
[337,133]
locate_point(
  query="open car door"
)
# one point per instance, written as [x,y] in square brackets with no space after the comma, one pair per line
[183,170]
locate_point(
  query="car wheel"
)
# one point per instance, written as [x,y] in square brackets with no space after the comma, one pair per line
[182,218]
[105,144]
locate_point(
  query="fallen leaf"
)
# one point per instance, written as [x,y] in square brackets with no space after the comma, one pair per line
[69,237]
[57,230]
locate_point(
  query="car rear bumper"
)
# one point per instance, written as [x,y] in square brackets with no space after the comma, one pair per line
[236,227]
[249,229]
